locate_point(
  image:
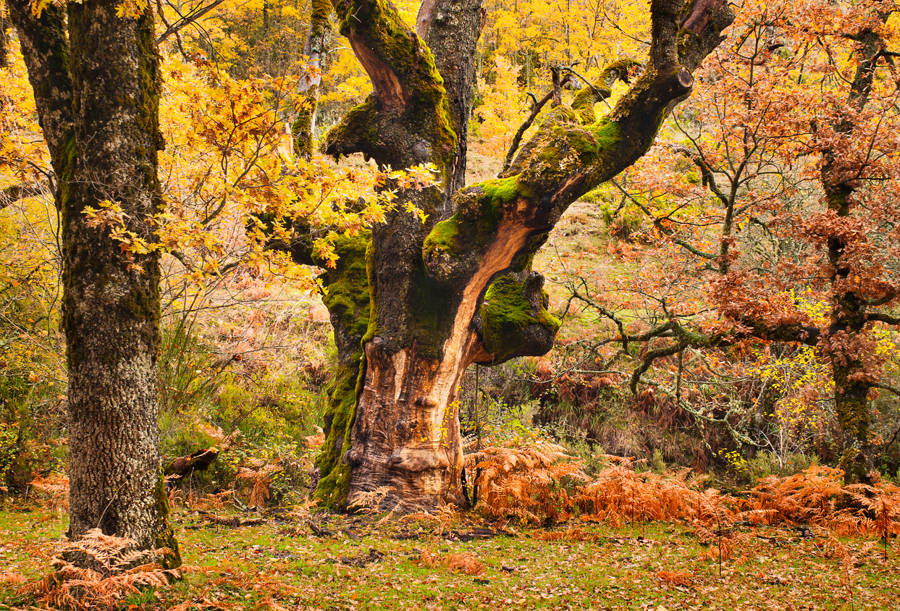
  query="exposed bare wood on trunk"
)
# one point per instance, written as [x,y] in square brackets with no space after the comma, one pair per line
[394,440]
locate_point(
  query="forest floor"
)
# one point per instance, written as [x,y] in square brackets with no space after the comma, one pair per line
[296,559]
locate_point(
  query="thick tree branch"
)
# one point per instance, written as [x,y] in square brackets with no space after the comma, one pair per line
[583,103]
[748,328]
[405,120]
[887,387]
[647,361]
[778,331]
[884,317]
[45,47]
[499,223]
[513,319]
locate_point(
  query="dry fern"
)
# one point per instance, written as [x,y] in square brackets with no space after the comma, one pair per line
[817,496]
[570,534]
[532,483]
[540,483]
[620,495]
[259,479]
[543,484]
[97,571]
[8,578]
[52,489]
[370,501]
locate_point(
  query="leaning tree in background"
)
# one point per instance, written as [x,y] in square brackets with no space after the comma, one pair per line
[414,303]
[96,85]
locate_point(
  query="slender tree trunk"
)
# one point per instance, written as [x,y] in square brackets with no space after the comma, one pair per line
[304,125]
[4,41]
[97,93]
[848,318]
[852,382]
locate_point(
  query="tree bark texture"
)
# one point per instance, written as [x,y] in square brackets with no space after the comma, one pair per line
[4,41]
[852,382]
[97,87]
[459,288]
[451,30]
[304,126]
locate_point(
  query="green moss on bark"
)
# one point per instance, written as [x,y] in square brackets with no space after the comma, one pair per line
[301,131]
[165,539]
[346,286]
[454,244]
[334,479]
[514,318]
[395,57]
[349,298]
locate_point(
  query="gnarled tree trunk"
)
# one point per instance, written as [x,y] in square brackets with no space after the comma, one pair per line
[97,85]
[458,288]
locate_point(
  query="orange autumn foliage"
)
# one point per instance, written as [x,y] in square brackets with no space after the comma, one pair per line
[543,484]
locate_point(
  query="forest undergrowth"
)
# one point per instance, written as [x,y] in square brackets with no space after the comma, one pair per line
[542,533]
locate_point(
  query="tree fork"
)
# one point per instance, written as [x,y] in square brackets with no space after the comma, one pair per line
[448,294]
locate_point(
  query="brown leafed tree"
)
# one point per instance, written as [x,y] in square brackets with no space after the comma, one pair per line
[96,84]
[842,235]
[414,304]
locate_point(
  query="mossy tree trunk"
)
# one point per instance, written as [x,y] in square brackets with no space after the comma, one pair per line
[850,312]
[458,288]
[304,125]
[4,41]
[96,81]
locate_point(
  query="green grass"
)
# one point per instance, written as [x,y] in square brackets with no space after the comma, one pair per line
[282,562]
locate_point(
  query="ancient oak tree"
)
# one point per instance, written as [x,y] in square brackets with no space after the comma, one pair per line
[96,83]
[415,303]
